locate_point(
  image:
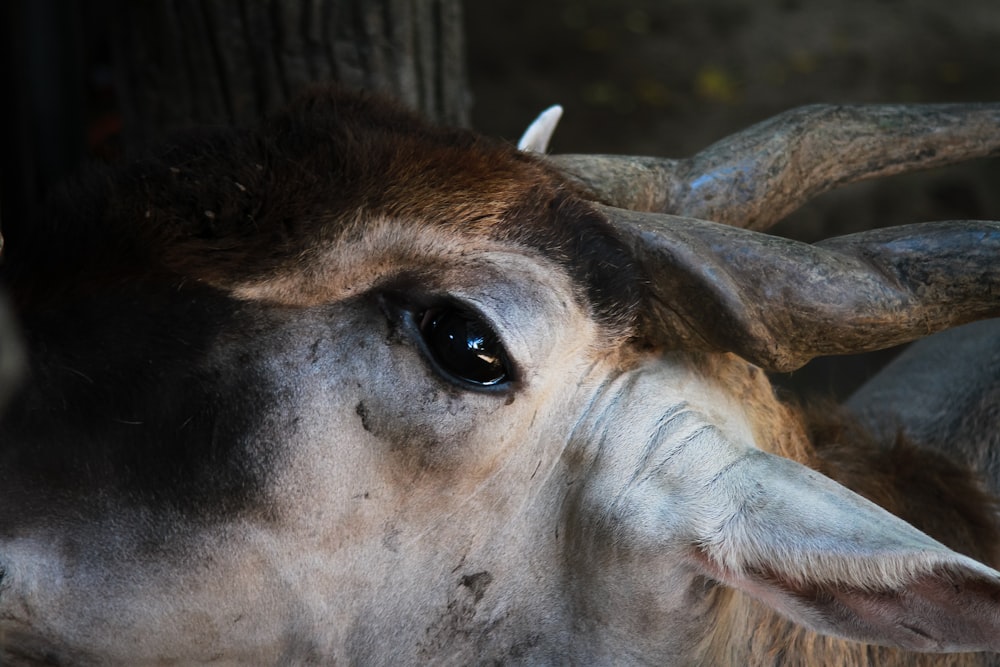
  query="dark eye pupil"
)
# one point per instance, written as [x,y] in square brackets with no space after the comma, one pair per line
[464,346]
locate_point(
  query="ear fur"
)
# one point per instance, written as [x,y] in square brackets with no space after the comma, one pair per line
[832,561]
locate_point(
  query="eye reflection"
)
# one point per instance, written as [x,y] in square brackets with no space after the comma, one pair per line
[464,346]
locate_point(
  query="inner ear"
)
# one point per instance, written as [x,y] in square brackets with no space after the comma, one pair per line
[946,609]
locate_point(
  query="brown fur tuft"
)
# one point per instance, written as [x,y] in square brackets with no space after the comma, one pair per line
[945,500]
[235,207]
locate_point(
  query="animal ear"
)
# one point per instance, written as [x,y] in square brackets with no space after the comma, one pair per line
[836,563]
[538,135]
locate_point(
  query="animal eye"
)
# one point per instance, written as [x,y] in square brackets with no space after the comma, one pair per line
[464,346]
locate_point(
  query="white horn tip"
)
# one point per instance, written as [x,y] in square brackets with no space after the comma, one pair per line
[536,138]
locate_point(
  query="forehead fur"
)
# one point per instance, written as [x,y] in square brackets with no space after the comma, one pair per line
[228,207]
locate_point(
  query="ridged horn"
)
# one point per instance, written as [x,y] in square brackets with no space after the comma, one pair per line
[756,177]
[779,303]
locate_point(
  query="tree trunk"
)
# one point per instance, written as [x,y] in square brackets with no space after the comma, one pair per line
[183,62]
[179,63]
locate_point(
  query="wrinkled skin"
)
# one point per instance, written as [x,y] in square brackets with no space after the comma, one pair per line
[275,469]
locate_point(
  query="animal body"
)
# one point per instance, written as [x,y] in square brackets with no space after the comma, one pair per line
[347,388]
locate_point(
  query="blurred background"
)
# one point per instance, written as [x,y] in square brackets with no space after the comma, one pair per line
[93,80]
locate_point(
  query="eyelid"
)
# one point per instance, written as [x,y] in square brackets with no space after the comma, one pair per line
[413,311]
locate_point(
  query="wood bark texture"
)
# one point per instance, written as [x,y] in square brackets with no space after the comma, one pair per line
[183,62]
